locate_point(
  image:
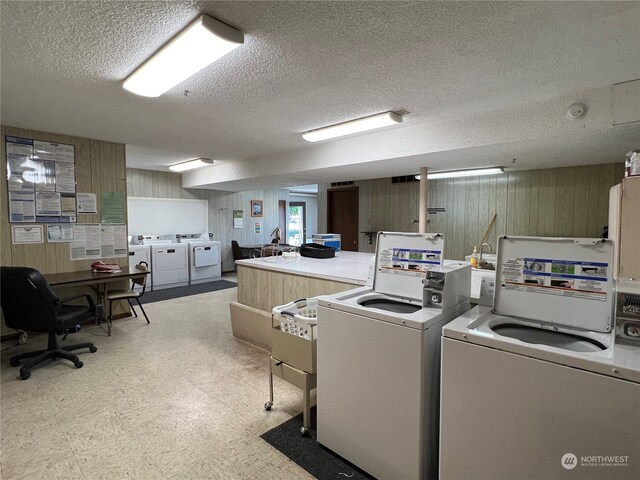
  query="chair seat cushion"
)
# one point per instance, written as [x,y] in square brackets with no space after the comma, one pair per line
[121,294]
[71,315]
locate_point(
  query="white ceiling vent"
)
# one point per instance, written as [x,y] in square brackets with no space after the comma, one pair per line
[626,102]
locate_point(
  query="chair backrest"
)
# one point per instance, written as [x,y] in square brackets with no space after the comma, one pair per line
[236,250]
[142,279]
[28,303]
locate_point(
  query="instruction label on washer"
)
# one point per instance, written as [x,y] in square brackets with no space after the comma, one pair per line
[408,261]
[570,278]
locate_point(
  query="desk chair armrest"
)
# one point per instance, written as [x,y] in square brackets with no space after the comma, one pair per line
[90,301]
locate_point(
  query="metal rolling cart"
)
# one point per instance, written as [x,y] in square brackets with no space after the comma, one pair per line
[293,350]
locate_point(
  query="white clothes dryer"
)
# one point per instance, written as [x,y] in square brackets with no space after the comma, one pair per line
[141,253]
[537,387]
[169,265]
[204,261]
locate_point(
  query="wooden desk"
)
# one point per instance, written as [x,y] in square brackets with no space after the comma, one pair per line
[99,281]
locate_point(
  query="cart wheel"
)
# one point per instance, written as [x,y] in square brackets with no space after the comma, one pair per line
[304,431]
[25,375]
[78,364]
[267,406]
[93,349]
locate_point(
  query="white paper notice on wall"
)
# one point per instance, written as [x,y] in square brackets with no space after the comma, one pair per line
[113,241]
[27,234]
[87,203]
[59,233]
[238,220]
[41,181]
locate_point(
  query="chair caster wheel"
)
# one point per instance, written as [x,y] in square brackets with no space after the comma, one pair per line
[78,364]
[304,431]
[93,349]
[25,375]
[13,362]
[267,406]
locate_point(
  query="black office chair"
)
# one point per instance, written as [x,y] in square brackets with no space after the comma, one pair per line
[29,304]
[236,251]
[238,254]
[130,294]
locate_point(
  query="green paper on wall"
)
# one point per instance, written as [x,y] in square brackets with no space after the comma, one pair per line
[113,207]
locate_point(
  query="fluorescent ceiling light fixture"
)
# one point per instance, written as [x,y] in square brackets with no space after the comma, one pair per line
[198,45]
[464,173]
[354,126]
[191,164]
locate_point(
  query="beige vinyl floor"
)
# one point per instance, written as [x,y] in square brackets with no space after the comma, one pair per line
[180,398]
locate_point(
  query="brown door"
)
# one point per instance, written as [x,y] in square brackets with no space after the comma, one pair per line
[342,216]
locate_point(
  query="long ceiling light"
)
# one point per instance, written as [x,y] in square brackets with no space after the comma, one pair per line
[464,173]
[354,126]
[191,164]
[198,45]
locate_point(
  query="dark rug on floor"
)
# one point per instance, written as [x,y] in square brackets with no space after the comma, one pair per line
[169,293]
[308,453]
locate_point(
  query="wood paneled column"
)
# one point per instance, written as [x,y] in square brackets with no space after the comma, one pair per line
[424,199]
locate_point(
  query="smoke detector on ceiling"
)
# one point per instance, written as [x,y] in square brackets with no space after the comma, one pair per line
[576,111]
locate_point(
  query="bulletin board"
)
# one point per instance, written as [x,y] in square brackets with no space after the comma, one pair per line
[41,181]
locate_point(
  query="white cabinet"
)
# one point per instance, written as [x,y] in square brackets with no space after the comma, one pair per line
[624,227]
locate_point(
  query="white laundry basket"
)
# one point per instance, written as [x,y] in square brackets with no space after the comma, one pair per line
[299,318]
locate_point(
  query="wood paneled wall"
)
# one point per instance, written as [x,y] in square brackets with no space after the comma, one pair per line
[550,202]
[100,167]
[147,183]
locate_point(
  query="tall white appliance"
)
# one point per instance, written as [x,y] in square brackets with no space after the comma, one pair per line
[169,261]
[141,253]
[205,263]
[378,358]
[538,387]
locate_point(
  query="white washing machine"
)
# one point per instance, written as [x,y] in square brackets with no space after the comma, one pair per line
[169,262]
[378,358]
[205,262]
[539,388]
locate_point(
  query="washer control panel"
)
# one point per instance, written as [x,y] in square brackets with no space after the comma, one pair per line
[628,318]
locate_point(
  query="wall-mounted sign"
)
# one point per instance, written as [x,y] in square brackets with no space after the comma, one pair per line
[87,203]
[27,234]
[238,219]
[41,181]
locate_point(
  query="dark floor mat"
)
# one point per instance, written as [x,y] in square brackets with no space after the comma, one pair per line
[169,293]
[308,453]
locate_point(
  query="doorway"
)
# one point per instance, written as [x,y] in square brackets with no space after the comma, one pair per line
[282,219]
[342,215]
[297,227]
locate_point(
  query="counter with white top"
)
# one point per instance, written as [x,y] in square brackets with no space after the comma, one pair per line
[264,283]
[349,267]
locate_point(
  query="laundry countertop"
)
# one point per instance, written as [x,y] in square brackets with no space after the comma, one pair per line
[347,267]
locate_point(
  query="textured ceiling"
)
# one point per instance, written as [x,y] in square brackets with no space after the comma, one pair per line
[305,65]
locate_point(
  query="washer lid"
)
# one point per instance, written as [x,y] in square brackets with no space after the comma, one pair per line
[402,259]
[559,281]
